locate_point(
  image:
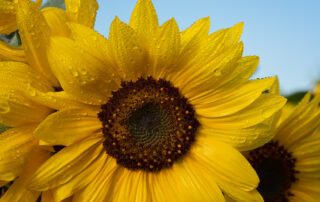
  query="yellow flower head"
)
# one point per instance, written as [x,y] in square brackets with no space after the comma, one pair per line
[153,114]
[25,75]
[289,165]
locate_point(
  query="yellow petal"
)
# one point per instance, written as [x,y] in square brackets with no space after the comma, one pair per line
[308,164]
[240,195]
[231,100]
[203,78]
[131,186]
[8,17]
[68,126]
[307,147]
[102,185]
[190,39]
[144,21]
[47,196]
[94,43]
[79,73]
[12,53]
[34,32]
[66,164]
[125,51]
[15,79]
[301,196]
[57,100]
[16,146]
[19,191]
[80,181]
[56,19]
[263,108]
[308,186]
[15,110]
[165,49]
[292,130]
[228,165]
[185,181]
[82,11]
[210,47]
[242,139]
[17,74]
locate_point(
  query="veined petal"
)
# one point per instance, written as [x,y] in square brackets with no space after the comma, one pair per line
[190,39]
[67,126]
[308,147]
[292,130]
[263,108]
[12,53]
[125,51]
[81,180]
[228,164]
[239,75]
[242,139]
[202,78]
[309,187]
[165,49]
[301,196]
[82,11]
[18,74]
[231,100]
[16,109]
[66,164]
[210,47]
[131,186]
[16,146]
[94,43]
[57,100]
[47,196]
[56,19]
[185,181]
[18,191]
[102,184]
[34,32]
[79,73]
[144,21]
[240,195]
[8,17]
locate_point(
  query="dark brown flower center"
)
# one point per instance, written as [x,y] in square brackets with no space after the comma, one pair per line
[275,168]
[147,124]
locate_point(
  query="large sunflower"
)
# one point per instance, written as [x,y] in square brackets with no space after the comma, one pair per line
[24,72]
[289,165]
[159,116]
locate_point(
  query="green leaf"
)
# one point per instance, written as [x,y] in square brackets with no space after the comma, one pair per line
[296,97]
[3,128]
[12,39]
[55,3]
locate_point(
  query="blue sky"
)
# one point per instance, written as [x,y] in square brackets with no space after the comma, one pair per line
[285,34]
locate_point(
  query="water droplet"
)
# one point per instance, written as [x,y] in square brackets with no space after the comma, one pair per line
[74,9]
[74,72]
[4,106]
[32,91]
[83,71]
[82,81]
[265,113]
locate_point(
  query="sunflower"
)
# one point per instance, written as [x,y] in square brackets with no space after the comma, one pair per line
[289,165]
[159,115]
[24,72]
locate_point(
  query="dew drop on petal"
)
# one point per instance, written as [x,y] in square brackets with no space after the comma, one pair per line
[4,106]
